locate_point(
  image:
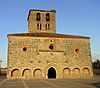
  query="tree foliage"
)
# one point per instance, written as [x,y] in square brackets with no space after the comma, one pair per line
[96,64]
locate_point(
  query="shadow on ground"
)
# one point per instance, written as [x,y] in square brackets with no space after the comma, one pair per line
[97,84]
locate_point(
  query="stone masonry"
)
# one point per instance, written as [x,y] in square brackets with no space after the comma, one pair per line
[43,54]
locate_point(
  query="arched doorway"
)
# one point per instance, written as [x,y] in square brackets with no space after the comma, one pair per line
[51,73]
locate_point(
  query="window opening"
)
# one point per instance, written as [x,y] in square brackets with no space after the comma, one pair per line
[51,47]
[24,49]
[47,17]
[77,50]
[38,17]
[48,26]
[45,26]
[38,26]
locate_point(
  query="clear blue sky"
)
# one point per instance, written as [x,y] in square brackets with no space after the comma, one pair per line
[77,17]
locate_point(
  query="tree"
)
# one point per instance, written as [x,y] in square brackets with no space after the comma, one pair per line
[96,64]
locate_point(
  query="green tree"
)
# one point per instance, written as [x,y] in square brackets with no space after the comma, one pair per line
[96,64]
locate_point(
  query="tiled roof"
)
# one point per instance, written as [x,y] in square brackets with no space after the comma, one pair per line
[47,35]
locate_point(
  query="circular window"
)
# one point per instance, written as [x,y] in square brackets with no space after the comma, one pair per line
[51,47]
[77,50]
[24,49]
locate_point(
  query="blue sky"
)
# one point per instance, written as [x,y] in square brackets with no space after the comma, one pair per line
[76,17]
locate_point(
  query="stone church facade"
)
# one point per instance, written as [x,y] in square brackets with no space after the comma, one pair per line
[42,53]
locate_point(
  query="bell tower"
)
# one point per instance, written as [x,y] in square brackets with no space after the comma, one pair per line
[42,21]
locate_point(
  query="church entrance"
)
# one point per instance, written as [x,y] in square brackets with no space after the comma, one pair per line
[51,73]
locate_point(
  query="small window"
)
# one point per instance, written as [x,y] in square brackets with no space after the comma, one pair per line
[45,26]
[38,17]
[47,17]
[48,26]
[77,50]
[38,26]
[51,47]
[24,49]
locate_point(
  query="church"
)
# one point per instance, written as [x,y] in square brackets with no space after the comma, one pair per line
[43,54]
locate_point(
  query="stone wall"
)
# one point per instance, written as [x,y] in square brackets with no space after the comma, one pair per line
[32,57]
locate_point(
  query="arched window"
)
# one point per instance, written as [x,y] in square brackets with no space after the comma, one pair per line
[47,17]
[47,26]
[40,27]
[38,17]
